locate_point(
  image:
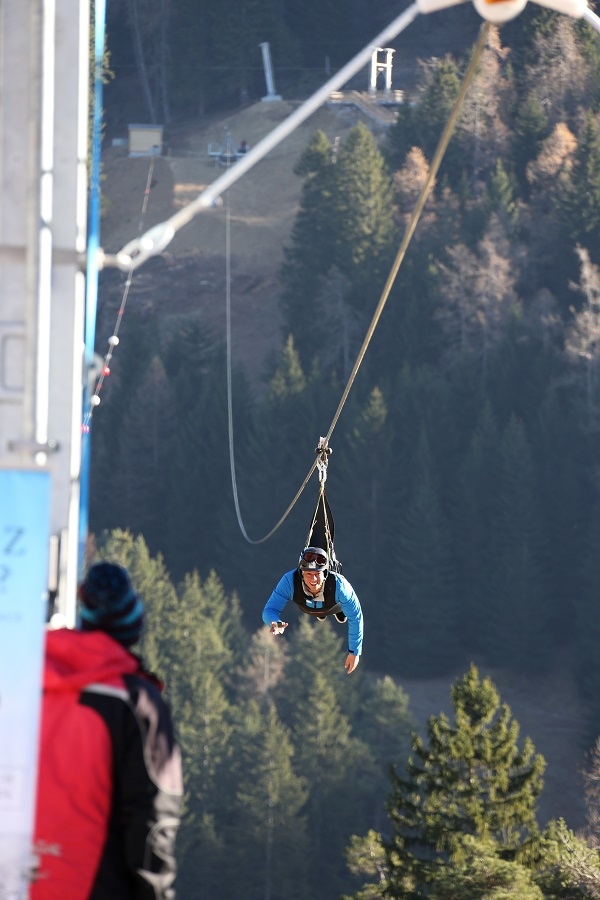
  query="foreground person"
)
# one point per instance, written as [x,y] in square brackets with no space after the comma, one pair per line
[110,781]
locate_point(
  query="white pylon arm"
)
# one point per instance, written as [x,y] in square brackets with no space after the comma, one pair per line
[591,18]
[499,11]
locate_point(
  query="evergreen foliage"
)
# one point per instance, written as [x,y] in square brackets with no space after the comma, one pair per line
[463,813]
[269,751]
[464,476]
[468,778]
[344,224]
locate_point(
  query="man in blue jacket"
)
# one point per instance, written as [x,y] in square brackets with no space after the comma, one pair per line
[319,593]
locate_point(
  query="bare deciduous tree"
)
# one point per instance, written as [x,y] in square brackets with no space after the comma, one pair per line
[340,321]
[555,156]
[582,342]
[558,76]
[479,293]
[481,121]
[408,184]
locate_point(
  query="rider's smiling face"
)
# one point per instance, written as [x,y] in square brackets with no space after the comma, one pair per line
[313,580]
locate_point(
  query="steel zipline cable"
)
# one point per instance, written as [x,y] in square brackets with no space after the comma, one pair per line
[429,181]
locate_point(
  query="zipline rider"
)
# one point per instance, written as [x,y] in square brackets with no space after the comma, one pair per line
[319,593]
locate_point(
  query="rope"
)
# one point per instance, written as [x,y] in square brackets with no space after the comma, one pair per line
[323,449]
[114,338]
[435,165]
[230,398]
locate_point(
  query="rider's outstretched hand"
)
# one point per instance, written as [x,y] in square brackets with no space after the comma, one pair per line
[351,662]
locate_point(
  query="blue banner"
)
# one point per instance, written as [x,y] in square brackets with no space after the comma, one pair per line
[24,542]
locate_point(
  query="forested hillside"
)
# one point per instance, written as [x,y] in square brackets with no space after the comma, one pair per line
[463,479]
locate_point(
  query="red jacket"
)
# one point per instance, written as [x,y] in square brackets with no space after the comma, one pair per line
[109,776]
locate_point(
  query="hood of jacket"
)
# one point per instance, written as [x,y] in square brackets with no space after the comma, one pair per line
[75,659]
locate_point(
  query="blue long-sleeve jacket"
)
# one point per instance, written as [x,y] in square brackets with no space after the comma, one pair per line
[344,595]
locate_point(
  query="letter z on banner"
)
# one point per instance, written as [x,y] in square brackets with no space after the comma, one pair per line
[24,540]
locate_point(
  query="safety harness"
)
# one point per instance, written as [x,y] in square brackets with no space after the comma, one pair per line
[306,604]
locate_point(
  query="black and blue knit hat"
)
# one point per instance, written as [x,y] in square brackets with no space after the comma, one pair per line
[109,603]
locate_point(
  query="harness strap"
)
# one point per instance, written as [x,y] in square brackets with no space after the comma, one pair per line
[329,605]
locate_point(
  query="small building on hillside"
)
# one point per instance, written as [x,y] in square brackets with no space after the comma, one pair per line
[145,140]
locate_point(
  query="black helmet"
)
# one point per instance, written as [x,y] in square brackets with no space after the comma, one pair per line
[313,559]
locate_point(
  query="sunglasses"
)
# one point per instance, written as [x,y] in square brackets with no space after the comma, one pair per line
[310,556]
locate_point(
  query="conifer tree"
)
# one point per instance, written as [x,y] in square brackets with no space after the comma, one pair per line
[362,217]
[151,579]
[269,824]
[310,253]
[518,608]
[421,632]
[345,222]
[438,88]
[363,464]
[565,865]
[587,625]
[385,724]
[317,647]
[198,475]
[331,760]
[477,872]
[366,856]
[468,777]
[529,128]
[279,452]
[473,518]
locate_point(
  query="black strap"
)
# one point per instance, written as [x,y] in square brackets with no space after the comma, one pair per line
[329,605]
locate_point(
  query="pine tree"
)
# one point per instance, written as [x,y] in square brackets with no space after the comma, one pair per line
[362,220]
[468,777]
[363,463]
[384,723]
[340,776]
[421,635]
[309,255]
[345,222]
[473,518]
[529,128]
[566,866]
[269,830]
[477,872]
[587,625]
[317,647]
[439,86]
[518,609]
[365,856]
[146,443]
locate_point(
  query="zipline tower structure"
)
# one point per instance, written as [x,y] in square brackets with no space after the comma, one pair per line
[44,96]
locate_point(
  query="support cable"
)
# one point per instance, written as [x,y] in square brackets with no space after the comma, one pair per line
[323,448]
[230,399]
